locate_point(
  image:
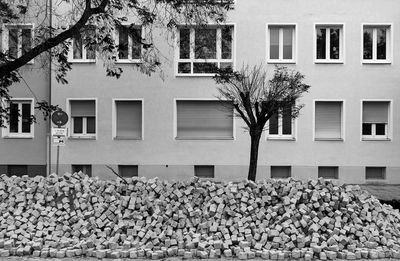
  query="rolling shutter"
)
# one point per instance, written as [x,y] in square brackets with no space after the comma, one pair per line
[129,119]
[375,112]
[328,120]
[204,119]
[83,108]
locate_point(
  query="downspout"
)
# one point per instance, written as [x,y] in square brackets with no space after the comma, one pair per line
[50,75]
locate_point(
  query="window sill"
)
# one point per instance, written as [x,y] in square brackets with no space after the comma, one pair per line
[281,138]
[376,62]
[82,138]
[281,61]
[127,138]
[328,62]
[17,137]
[375,139]
[181,75]
[128,61]
[211,138]
[82,61]
[329,139]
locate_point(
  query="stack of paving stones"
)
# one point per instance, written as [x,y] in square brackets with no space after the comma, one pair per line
[74,215]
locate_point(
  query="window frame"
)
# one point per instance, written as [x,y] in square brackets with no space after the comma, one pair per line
[83,59]
[389,43]
[114,118]
[5,37]
[177,60]
[6,131]
[343,120]
[388,127]
[175,121]
[70,124]
[342,45]
[116,40]
[294,43]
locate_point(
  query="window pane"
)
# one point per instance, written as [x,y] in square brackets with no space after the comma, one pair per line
[287,43]
[78,123]
[274,43]
[226,33]
[89,43]
[381,44]
[184,44]
[26,40]
[13,43]
[26,118]
[77,47]
[123,42]
[334,43]
[205,67]
[136,42]
[367,129]
[375,172]
[380,129]
[367,54]
[205,44]
[273,124]
[287,121]
[91,125]
[184,67]
[321,43]
[14,117]
[225,65]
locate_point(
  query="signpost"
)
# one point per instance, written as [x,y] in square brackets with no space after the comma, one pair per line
[59,118]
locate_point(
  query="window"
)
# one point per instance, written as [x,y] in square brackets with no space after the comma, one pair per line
[376,44]
[328,120]
[281,124]
[17,170]
[204,120]
[281,43]
[281,172]
[375,173]
[86,169]
[329,43]
[20,123]
[129,42]
[82,50]
[83,118]
[128,119]
[328,172]
[203,171]
[128,171]
[18,39]
[375,120]
[203,49]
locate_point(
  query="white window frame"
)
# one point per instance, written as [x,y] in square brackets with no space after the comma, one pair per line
[342,50]
[175,120]
[70,124]
[114,117]
[343,120]
[281,136]
[389,43]
[388,127]
[5,36]
[294,43]
[84,50]
[6,131]
[191,60]
[116,40]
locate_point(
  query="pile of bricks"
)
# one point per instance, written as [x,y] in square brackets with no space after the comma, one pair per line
[74,215]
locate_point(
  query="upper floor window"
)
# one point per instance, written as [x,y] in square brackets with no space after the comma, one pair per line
[281,125]
[281,43]
[329,43]
[129,42]
[18,39]
[82,49]
[83,118]
[376,44]
[203,49]
[20,123]
[375,120]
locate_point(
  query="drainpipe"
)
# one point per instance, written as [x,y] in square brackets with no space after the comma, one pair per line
[49,100]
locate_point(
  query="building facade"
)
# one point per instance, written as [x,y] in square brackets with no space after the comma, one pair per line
[174,127]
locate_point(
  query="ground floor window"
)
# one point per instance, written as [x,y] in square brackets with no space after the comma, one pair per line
[203,171]
[328,172]
[128,171]
[281,172]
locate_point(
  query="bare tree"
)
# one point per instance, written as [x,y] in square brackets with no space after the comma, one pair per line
[256,99]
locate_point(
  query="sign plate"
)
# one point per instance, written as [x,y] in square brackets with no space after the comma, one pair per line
[59,141]
[59,132]
[59,118]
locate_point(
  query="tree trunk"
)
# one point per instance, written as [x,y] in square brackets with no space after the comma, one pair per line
[255,142]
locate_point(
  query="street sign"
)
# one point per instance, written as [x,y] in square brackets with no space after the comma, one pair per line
[62,132]
[59,141]
[59,118]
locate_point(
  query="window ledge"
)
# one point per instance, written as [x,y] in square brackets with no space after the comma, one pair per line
[181,75]
[128,61]
[328,62]
[281,61]
[211,138]
[376,62]
[17,137]
[328,139]
[127,138]
[376,139]
[82,138]
[82,61]
[281,138]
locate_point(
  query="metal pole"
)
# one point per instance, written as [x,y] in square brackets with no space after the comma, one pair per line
[58,157]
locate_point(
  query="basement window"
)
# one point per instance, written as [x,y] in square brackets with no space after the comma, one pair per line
[203,171]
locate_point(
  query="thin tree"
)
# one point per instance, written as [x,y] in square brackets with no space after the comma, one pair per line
[256,98]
